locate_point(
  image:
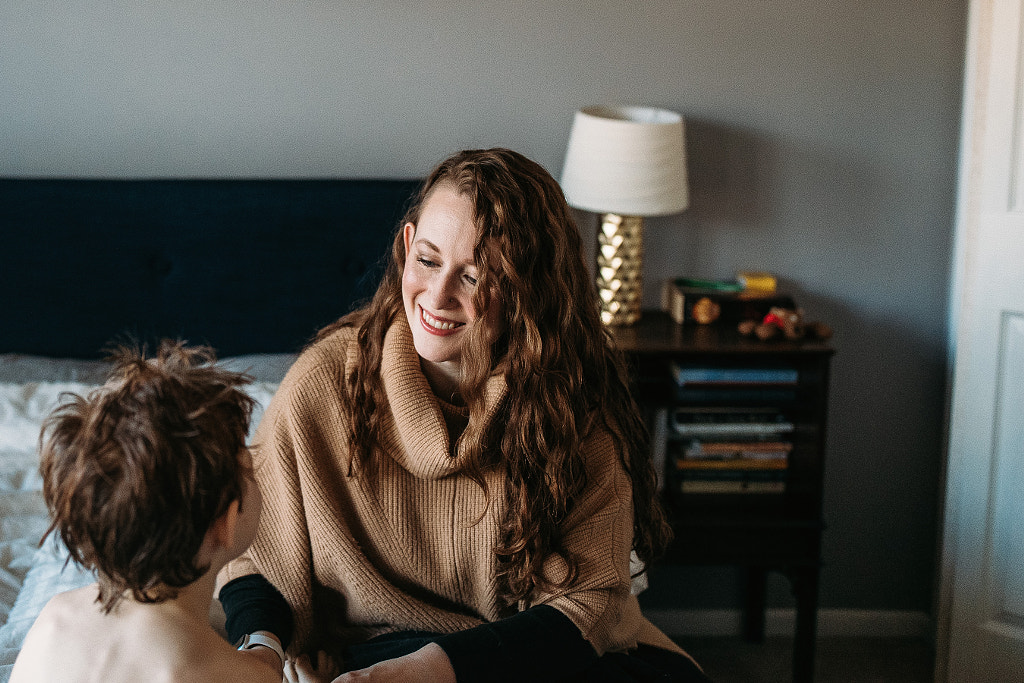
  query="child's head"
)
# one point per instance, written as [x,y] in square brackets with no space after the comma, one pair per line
[135,473]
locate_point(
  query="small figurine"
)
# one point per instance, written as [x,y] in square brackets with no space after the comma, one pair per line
[786,322]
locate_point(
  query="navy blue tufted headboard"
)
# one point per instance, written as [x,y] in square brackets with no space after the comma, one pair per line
[247,266]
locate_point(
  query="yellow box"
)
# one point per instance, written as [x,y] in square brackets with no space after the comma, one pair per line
[757,281]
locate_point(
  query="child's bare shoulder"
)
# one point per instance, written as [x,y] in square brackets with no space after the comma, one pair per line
[54,630]
[64,611]
[77,599]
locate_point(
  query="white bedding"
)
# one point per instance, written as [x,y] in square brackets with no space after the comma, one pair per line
[30,388]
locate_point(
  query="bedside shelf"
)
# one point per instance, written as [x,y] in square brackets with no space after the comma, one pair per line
[727,394]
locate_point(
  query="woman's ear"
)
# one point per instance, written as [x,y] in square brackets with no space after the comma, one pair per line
[222,532]
[408,234]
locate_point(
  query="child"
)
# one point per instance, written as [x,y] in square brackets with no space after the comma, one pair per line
[149,484]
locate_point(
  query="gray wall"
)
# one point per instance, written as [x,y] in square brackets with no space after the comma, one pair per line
[822,139]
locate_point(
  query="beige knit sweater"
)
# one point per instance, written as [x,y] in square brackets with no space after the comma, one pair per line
[415,550]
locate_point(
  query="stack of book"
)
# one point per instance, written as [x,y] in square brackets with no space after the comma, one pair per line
[731,452]
[736,449]
[732,466]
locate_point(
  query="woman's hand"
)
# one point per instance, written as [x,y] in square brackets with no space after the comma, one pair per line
[429,664]
[300,669]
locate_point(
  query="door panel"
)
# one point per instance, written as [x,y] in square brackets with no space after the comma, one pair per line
[981,630]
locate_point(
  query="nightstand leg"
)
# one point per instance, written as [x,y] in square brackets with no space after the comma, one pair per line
[753,615]
[805,589]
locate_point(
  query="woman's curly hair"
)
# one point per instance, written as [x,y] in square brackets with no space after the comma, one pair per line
[549,344]
[135,473]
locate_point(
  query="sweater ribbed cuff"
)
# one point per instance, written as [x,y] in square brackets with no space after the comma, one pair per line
[251,603]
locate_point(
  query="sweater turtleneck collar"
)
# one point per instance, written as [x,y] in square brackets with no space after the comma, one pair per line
[416,435]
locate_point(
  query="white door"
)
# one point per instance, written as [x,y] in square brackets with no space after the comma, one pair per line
[981,615]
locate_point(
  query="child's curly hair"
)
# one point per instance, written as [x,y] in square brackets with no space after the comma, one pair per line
[135,473]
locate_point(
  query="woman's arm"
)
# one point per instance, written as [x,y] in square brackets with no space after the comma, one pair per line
[428,664]
[539,643]
[251,603]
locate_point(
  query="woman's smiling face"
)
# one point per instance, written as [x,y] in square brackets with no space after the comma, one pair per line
[440,278]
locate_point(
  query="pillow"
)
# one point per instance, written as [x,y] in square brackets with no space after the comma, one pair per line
[23,407]
[19,368]
[23,516]
[263,367]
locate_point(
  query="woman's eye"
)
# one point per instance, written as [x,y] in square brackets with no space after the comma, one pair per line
[427,262]
[470,280]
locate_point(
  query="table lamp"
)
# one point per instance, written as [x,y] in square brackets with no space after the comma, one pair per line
[624,163]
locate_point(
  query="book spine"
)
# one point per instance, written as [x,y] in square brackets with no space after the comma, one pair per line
[733,475]
[724,487]
[687,376]
[752,451]
[731,428]
[741,464]
[659,445]
[701,449]
[735,393]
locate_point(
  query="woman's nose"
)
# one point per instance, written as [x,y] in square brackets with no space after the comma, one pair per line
[442,291]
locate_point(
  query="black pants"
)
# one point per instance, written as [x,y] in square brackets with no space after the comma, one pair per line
[645,664]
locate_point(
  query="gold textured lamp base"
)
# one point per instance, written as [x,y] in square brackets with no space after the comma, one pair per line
[620,258]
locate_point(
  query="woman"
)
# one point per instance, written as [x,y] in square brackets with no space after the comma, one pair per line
[455,474]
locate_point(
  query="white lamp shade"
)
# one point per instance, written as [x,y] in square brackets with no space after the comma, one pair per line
[626,160]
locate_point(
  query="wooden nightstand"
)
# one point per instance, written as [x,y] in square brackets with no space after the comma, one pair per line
[718,405]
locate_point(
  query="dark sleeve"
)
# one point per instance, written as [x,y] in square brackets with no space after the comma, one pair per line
[251,603]
[540,643]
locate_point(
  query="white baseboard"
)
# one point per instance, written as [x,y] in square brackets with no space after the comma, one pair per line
[781,622]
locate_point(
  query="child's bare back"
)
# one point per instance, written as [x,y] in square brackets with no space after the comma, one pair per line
[73,641]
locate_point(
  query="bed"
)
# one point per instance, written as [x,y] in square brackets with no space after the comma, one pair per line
[250,267]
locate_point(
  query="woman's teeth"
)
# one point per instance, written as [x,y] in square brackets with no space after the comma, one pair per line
[437,324]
